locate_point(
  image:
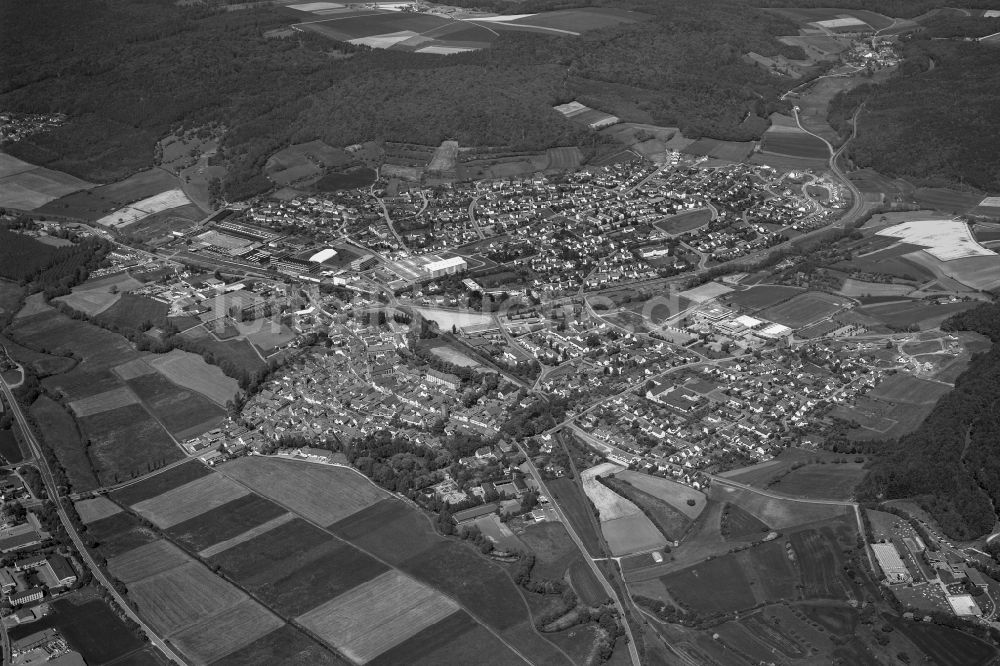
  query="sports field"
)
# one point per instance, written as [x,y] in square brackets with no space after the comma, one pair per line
[686,221]
[377,615]
[319,493]
[189,500]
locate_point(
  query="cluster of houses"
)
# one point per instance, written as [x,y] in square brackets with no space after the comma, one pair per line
[746,407]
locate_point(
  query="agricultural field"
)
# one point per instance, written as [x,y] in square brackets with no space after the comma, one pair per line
[27,187]
[730,589]
[147,560]
[223,522]
[905,388]
[285,645]
[610,505]
[947,647]
[96,203]
[226,632]
[458,639]
[161,482]
[829,481]
[793,142]
[778,514]
[921,313]
[132,311]
[103,402]
[304,161]
[97,508]
[376,616]
[127,442]
[189,500]
[389,530]
[760,297]
[60,433]
[860,289]
[183,413]
[684,222]
[140,210]
[577,508]
[738,525]
[683,498]
[632,534]
[10,451]
[120,533]
[91,301]
[805,309]
[731,151]
[319,493]
[554,550]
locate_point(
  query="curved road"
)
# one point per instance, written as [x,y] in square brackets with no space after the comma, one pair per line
[52,490]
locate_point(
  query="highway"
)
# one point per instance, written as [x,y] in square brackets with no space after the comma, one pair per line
[632,649]
[52,490]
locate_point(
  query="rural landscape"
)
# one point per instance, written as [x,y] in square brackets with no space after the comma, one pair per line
[626,332]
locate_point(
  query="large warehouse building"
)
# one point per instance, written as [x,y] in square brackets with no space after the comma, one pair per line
[449,266]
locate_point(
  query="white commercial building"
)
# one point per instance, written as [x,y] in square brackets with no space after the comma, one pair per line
[449,266]
[891,564]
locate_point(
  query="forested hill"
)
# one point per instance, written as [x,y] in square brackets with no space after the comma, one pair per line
[937,121]
[951,463]
[126,71]
[892,8]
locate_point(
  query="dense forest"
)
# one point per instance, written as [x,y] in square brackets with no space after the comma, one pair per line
[52,270]
[127,71]
[951,462]
[893,8]
[936,121]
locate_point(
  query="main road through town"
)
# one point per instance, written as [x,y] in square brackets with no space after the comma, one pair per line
[53,492]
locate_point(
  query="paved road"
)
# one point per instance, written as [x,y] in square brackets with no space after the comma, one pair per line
[612,593]
[50,486]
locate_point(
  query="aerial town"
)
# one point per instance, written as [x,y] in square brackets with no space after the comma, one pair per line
[310,384]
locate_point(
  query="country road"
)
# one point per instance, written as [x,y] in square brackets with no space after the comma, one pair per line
[612,593]
[52,490]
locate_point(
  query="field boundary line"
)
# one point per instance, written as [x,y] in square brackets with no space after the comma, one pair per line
[374,557]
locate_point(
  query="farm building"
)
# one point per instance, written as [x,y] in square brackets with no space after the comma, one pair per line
[891,564]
